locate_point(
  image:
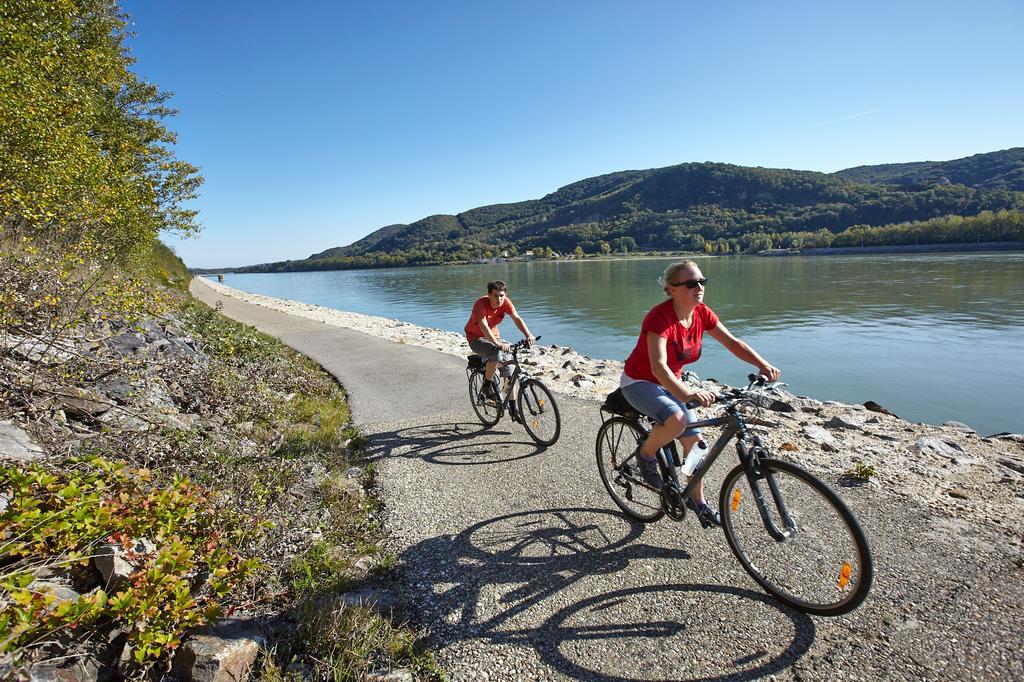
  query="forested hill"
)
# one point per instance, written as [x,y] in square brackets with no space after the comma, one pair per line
[997,170]
[714,208]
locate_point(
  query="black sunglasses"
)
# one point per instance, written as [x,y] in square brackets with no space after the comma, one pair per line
[692,283]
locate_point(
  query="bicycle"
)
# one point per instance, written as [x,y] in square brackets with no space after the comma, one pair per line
[794,536]
[538,411]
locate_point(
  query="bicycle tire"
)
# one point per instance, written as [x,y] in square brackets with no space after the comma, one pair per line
[617,439]
[487,410]
[539,412]
[825,568]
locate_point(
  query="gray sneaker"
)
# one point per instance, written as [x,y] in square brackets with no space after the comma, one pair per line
[649,471]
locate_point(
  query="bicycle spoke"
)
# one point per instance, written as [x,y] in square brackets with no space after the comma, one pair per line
[617,442]
[824,566]
[539,412]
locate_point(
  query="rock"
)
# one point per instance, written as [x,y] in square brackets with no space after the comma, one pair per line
[59,593]
[566,351]
[958,426]
[378,600]
[931,445]
[126,344]
[115,563]
[221,653]
[568,364]
[809,405]
[846,421]
[1012,464]
[353,472]
[80,402]
[15,443]
[821,437]
[362,567]
[958,494]
[118,390]
[1015,437]
[872,406]
[399,675]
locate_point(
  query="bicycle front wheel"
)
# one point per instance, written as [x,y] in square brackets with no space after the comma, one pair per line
[539,412]
[810,552]
[486,408]
[617,442]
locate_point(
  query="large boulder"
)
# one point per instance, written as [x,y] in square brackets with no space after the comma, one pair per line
[15,443]
[224,652]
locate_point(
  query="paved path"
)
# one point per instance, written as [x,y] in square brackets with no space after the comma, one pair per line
[519,566]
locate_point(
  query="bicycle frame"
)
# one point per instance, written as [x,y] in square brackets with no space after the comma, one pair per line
[734,426]
[518,375]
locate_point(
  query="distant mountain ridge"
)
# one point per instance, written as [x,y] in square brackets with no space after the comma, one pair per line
[711,207]
[997,170]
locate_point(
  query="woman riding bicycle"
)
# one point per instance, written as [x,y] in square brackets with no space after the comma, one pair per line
[670,337]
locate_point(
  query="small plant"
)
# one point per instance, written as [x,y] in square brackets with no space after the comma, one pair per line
[860,472]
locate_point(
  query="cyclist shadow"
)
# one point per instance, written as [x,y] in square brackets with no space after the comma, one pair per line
[535,579]
[453,443]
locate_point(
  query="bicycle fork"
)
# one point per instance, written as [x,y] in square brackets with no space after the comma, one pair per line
[751,458]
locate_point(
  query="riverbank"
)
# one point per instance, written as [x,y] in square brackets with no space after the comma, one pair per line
[561,367]
[948,467]
[516,562]
[972,247]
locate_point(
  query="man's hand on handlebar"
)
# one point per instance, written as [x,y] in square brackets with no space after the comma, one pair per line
[529,340]
[770,372]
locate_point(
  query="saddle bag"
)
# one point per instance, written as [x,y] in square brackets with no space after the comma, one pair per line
[474,362]
[616,403]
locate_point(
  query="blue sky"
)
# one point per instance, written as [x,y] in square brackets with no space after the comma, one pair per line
[315,123]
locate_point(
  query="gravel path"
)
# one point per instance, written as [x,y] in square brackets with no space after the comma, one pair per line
[519,566]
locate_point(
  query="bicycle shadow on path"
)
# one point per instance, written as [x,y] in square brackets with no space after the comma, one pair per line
[452,443]
[578,590]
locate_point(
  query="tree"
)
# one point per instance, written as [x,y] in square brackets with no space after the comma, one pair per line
[83,153]
[579,251]
[606,248]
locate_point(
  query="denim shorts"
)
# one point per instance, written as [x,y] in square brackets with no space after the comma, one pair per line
[654,401]
[491,353]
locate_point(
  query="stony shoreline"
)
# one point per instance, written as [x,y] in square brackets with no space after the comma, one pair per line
[950,468]
[562,368]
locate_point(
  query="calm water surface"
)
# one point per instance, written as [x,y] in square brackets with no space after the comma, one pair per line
[931,337]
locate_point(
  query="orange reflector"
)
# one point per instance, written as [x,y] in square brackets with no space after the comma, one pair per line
[844,575]
[735,504]
[534,423]
[540,403]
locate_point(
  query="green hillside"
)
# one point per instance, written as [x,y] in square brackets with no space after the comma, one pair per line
[996,170]
[704,207]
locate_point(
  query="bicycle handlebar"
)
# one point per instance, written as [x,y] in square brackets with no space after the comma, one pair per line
[758,384]
[518,345]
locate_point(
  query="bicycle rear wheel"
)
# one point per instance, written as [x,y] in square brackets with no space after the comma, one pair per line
[487,409]
[617,441]
[539,411]
[824,567]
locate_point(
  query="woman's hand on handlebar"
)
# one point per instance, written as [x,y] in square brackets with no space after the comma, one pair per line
[770,372]
[703,398]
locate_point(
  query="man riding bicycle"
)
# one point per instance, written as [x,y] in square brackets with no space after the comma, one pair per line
[482,333]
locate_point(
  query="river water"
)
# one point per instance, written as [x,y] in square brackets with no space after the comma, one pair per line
[932,337]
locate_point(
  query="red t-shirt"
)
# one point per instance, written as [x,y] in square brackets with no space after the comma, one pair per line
[481,309]
[683,344]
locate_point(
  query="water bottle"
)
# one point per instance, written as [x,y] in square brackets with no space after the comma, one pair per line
[695,458]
